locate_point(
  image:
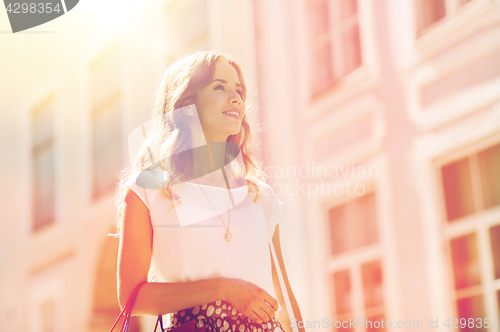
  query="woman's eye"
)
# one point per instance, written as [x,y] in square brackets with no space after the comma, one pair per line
[238,91]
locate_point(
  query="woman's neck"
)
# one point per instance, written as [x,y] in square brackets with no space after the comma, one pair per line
[208,158]
[208,166]
[208,152]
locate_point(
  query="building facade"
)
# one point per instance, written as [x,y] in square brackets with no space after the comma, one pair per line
[392,109]
[378,123]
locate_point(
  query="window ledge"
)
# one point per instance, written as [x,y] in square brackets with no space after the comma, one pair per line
[474,17]
[457,105]
[346,88]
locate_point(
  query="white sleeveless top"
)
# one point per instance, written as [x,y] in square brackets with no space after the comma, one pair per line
[188,239]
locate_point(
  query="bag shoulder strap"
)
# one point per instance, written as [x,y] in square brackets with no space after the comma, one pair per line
[284,290]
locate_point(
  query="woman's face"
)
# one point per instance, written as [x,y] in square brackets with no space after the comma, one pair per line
[220,105]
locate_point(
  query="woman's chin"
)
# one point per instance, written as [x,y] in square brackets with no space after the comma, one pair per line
[235,131]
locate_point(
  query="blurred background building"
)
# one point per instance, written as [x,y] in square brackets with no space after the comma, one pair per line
[379,129]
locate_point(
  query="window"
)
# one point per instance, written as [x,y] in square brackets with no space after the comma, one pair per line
[336,48]
[353,225]
[43,164]
[489,162]
[371,273]
[429,12]
[353,234]
[471,186]
[106,122]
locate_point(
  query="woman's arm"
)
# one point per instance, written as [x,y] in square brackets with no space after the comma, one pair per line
[282,315]
[157,298]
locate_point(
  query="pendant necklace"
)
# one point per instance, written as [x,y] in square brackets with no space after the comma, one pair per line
[228,236]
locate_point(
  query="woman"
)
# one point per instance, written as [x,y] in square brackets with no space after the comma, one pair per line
[205,229]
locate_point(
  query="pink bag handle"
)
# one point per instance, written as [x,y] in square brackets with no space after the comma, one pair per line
[127,310]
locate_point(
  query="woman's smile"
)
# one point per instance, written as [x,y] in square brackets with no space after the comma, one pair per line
[233,113]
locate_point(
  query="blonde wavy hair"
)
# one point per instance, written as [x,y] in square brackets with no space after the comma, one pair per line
[166,136]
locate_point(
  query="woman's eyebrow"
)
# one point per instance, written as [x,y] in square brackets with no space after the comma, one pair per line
[224,81]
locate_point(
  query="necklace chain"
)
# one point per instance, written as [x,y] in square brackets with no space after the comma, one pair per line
[228,236]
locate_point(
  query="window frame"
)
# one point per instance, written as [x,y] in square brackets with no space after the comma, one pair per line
[429,154]
[427,59]
[477,223]
[37,149]
[96,109]
[452,8]
[385,250]
[353,261]
[357,82]
[331,37]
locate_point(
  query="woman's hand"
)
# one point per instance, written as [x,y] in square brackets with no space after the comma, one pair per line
[249,299]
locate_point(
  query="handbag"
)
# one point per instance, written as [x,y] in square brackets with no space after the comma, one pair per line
[190,326]
[127,311]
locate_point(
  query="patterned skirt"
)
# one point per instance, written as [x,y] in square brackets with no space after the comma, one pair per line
[218,316]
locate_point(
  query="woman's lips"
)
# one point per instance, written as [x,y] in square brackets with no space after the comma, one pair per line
[233,115]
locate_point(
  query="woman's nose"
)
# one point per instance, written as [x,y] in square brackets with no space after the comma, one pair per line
[236,97]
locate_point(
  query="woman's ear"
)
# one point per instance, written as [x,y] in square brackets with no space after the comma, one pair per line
[190,110]
[190,100]
[183,102]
